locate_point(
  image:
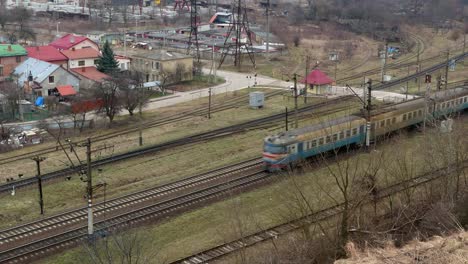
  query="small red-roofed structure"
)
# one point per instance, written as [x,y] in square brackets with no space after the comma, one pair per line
[66,90]
[317,77]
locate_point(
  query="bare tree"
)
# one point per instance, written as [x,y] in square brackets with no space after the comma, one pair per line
[131,247]
[355,179]
[109,94]
[133,94]
[11,97]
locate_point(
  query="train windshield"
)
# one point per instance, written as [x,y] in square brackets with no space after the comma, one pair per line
[274,149]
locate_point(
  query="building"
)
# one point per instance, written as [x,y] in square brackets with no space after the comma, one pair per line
[40,78]
[79,58]
[70,41]
[48,54]
[10,57]
[124,62]
[89,76]
[161,64]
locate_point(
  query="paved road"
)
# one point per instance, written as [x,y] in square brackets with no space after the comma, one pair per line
[234,81]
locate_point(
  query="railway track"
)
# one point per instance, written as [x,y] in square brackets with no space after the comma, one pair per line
[6,187]
[150,124]
[403,62]
[225,249]
[247,174]
[423,72]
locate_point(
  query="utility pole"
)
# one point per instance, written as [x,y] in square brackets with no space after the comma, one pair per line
[464,45]
[306,73]
[209,103]
[268,30]
[368,108]
[125,43]
[418,68]
[384,62]
[295,102]
[89,190]
[447,70]
[286,119]
[407,84]
[38,161]
[140,137]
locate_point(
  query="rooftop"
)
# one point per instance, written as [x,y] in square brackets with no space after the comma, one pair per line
[39,70]
[85,53]
[45,53]
[91,73]
[67,41]
[8,50]
[160,55]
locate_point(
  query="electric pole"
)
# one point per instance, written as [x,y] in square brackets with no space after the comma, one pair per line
[268,30]
[38,161]
[89,190]
[307,62]
[295,102]
[447,70]
[209,103]
[368,108]
[418,68]
[384,62]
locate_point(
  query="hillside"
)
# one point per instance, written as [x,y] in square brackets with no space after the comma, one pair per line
[452,249]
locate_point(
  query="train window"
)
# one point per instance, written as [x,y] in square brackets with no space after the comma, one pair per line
[388,122]
[420,112]
[320,141]
[466,99]
[354,131]
[328,139]
[393,120]
[335,137]
[382,123]
[292,149]
[404,117]
[410,115]
[341,134]
[443,105]
[314,143]
[348,133]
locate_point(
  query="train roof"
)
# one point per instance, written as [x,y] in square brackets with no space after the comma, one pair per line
[419,102]
[288,136]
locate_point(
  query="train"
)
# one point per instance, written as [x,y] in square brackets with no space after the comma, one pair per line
[288,148]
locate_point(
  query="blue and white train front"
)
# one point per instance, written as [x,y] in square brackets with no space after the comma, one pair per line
[275,155]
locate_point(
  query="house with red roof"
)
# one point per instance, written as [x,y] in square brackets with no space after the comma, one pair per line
[48,54]
[89,76]
[70,41]
[79,58]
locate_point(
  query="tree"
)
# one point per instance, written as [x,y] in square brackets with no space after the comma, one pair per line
[12,96]
[109,94]
[133,94]
[126,248]
[107,62]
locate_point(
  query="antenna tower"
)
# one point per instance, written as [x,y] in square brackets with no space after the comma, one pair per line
[239,25]
[193,38]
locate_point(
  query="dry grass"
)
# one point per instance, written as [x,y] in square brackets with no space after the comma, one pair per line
[452,249]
